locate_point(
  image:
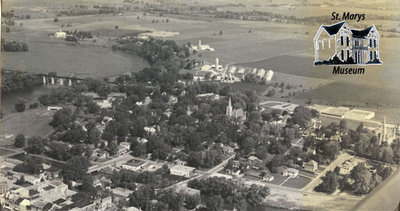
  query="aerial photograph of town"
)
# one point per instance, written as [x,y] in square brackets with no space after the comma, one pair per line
[206,105]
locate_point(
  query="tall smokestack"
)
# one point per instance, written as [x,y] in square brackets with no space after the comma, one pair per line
[216,63]
[199,43]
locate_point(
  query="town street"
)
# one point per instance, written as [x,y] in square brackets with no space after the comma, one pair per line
[339,160]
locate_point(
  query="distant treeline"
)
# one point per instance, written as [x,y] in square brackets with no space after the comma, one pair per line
[156,51]
[84,10]
[13,46]
[12,80]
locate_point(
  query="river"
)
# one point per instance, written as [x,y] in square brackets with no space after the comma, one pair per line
[30,94]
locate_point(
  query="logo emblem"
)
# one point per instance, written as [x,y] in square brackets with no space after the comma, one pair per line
[338,44]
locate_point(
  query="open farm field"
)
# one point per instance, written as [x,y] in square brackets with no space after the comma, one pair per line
[339,93]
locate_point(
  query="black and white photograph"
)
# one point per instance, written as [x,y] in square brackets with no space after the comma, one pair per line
[200,105]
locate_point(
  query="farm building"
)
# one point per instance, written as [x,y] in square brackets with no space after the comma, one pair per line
[60,34]
[261,73]
[201,47]
[269,75]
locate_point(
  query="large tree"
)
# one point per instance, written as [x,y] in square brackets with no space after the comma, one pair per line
[20,105]
[36,145]
[62,119]
[76,168]
[363,180]
[329,183]
[20,141]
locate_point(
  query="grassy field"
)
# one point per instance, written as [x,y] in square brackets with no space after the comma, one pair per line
[30,123]
[340,93]
[298,182]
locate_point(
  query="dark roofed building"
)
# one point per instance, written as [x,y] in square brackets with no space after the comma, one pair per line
[333,29]
[361,33]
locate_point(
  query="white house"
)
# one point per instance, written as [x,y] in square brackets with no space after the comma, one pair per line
[290,172]
[134,165]
[311,166]
[201,47]
[261,73]
[183,171]
[60,34]
[54,108]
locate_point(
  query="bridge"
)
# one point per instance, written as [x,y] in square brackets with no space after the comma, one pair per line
[62,80]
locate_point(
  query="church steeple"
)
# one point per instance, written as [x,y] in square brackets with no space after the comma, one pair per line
[229,108]
[382,137]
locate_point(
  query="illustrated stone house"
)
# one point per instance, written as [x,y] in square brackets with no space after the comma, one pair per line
[348,45]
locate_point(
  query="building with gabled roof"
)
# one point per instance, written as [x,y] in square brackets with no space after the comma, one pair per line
[339,43]
[311,166]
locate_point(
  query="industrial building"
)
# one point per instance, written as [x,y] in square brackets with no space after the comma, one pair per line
[343,112]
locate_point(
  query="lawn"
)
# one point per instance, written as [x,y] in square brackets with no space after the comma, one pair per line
[298,182]
[259,88]
[33,122]
[358,95]
[295,65]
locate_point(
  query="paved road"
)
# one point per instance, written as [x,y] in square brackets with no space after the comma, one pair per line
[99,166]
[202,175]
[339,160]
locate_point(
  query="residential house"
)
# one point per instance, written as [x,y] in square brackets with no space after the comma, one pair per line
[347,166]
[268,178]
[183,171]
[254,160]
[188,191]
[125,146]
[121,194]
[134,165]
[290,172]
[60,34]
[311,166]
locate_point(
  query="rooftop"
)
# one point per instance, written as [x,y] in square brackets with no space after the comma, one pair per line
[49,187]
[121,191]
[361,33]
[182,168]
[333,29]
[135,163]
